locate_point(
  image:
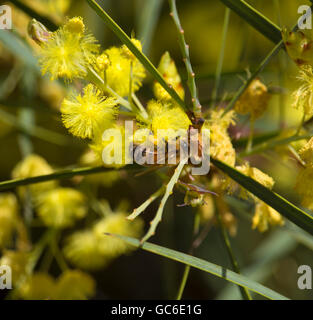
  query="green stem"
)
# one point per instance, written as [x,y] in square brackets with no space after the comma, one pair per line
[184,47]
[250,140]
[244,291]
[300,125]
[274,143]
[184,279]
[260,68]
[140,106]
[219,66]
[138,54]
[62,174]
[146,204]
[94,77]
[56,251]
[35,131]
[242,6]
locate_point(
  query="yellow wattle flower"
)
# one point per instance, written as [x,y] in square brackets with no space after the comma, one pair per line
[74,285]
[61,207]
[168,70]
[303,96]
[68,52]
[116,223]
[105,179]
[128,53]
[265,216]
[119,70]
[221,146]
[38,286]
[75,25]
[306,153]
[304,186]
[17,261]
[109,147]
[8,218]
[255,174]
[71,285]
[82,250]
[254,100]
[32,166]
[165,116]
[102,62]
[88,114]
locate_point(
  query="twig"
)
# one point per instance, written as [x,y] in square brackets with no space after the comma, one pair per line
[187,267]
[186,57]
[169,190]
[244,291]
[146,204]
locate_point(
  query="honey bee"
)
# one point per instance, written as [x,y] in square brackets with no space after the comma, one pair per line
[172,156]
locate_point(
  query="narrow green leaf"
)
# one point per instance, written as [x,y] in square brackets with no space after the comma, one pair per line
[18,48]
[147,18]
[62,174]
[257,20]
[139,55]
[283,206]
[206,266]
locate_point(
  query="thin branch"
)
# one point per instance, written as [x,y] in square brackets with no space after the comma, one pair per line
[169,190]
[146,204]
[186,57]
[244,291]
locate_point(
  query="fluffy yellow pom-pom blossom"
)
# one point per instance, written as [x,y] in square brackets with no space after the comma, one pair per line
[81,249]
[304,186]
[168,70]
[91,249]
[109,147]
[17,261]
[106,179]
[74,285]
[87,114]
[8,218]
[221,146]
[116,223]
[68,51]
[118,72]
[71,285]
[61,207]
[265,216]
[303,96]
[255,174]
[128,53]
[254,100]
[166,116]
[32,166]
